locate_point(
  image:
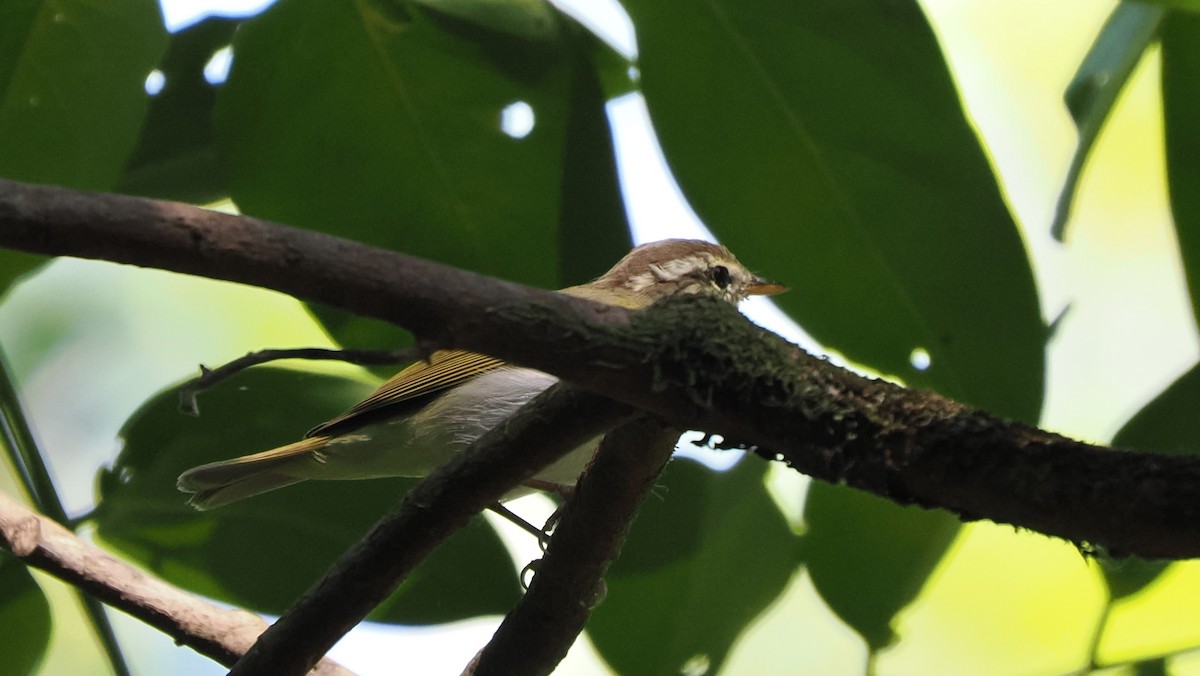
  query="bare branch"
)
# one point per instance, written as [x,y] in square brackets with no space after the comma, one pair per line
[697,365]
[569,582]
[215,632]
[551,425]
[210,377]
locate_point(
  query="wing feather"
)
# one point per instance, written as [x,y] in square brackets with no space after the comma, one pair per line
[445,369]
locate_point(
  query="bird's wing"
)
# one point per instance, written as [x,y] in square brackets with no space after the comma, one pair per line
[445,368]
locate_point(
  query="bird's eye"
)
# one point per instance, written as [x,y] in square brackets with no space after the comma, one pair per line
[720,276]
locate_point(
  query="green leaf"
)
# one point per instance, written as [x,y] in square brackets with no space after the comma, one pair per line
[176,155]
[702,561]
[526,19]
[1181,109]
[24,618]
[592,221]
[824,142]
[72,87]
[263,552]
[1168,424]
[1182,5]
[16,264]
[401,109]
[869,557]
[1092,93]
[1128,576]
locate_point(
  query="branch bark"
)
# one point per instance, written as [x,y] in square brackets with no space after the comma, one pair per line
[569,582]
[551,425]
[223,635]
[695,364]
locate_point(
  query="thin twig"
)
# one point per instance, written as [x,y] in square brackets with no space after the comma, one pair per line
[216,632]
[210,377]
[555,422]
[569,583]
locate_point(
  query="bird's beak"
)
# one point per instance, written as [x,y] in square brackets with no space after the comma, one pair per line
[762,287]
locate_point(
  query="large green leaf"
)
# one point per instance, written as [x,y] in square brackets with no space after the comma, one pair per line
[825,143]
[870,557]
[263,552]
[1093,91]
[1168,424]
[24,618]
[381,121]
[593,228]
[1181,109]
[176,155]
[72,87]
[702,560]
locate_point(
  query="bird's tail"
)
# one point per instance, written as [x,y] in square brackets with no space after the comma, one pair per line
[220,483]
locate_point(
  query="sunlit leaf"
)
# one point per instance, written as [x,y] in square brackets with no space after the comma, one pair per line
[704,558]
[24,618]
[1092,93]
[72,87]
[263,552]
[869,557]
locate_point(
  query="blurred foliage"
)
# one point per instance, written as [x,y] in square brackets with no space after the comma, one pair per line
[703,559]
[825,142]
[264,552]
[24,618]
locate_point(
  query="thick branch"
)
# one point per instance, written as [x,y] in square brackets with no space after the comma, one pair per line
[223,635]
[537,633]
[696,365]
[551,425]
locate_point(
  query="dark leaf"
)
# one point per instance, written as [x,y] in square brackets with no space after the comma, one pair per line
[24,618]
[824,142]
[15,264]
[72,87]
[869,557]
[1092,93]
[703,559]
[594,231]
[381,122]
[1181,109]
[263,552]
[1168,424]
[176,155]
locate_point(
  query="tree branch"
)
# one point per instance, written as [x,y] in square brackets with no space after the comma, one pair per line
[695,364]
[551,425]
[537,633]
[223,635]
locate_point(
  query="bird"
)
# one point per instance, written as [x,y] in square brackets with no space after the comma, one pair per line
[432,409]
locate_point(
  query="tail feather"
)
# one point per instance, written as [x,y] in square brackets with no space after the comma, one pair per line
[220,483]
[249,487]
